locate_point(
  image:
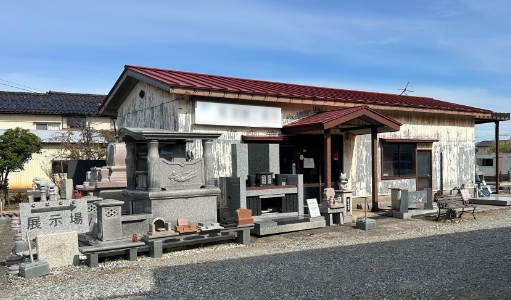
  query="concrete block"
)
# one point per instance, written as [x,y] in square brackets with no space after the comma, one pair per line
[243,236]
[156,249]
[35,269]
[131,254]
[92,260]
[365,224]
[289,227]
[58,249]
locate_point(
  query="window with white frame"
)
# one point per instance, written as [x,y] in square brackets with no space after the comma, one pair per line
[47,126]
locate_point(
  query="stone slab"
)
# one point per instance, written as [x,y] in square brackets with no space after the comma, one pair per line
[365,224]
[53,217]
[276,192]
[498,201]
[35,269]
[414,213]
[147,237]
[105,246]
[288,227]
[330,210]
[58,249]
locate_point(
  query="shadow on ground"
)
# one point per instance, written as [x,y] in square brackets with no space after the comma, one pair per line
[468,265]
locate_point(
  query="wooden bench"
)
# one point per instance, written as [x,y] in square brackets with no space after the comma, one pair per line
[451,203]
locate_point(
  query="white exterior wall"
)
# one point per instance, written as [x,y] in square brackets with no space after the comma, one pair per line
[456,141]
[26,121]
[34,168]
[161,109]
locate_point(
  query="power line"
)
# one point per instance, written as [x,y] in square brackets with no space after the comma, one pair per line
[486,125]
[19,85]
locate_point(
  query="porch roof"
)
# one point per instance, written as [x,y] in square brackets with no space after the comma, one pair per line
[337,119]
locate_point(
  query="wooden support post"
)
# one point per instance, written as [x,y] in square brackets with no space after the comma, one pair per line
[328,158]
[497,158]
[374,153]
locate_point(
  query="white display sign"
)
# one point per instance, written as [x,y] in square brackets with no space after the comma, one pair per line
[312,204]
[226,114]
[308,163]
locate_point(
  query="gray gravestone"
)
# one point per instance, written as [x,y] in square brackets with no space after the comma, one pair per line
[53,217]
[109,219]
[419,197]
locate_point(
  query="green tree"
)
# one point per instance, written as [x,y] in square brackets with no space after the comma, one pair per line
[16,148]
[504,147]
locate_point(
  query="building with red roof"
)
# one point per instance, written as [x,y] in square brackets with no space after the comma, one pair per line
[379,140]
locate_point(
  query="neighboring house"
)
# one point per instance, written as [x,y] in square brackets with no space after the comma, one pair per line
[45,115]
[379,140]
[482,147]
[486,164]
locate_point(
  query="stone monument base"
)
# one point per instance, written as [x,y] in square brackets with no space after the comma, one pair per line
[35,269]
[365,224]
[285,222]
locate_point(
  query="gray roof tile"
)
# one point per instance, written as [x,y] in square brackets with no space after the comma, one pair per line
[50,103]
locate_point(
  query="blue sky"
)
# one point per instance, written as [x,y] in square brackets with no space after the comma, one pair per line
[456,51]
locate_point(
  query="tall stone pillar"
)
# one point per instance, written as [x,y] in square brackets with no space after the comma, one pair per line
[209,163]
[153,158]
[131,165]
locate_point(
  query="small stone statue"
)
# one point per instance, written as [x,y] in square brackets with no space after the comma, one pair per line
[51,191]
[329,199]
[344,182]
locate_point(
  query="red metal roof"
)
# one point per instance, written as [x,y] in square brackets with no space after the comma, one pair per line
[179,79]
[328,119]
[331,115]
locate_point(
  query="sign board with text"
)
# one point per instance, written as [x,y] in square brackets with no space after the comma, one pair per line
[312,204]
[53,217]
[227,114]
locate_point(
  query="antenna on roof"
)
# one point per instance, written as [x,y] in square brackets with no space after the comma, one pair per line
[406,91]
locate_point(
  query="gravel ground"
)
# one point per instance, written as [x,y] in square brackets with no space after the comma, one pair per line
[401,259]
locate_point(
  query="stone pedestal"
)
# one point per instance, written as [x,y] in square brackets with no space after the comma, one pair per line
[35,269]
[333,216]
[347,200]
[109,219]
[395,197]
[365,224]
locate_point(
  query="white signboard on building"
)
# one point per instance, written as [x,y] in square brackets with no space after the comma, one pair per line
[226,114]
[308,163]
